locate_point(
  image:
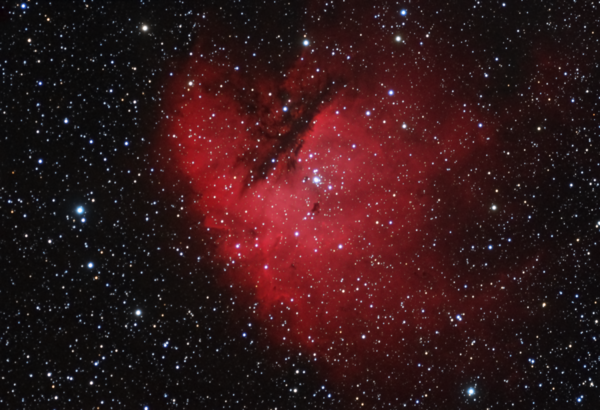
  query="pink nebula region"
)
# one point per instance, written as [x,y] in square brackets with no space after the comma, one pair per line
[350,194]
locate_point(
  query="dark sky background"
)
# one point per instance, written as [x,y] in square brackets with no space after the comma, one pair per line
[469,129]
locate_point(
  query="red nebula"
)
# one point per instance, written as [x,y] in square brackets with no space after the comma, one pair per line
[347,198]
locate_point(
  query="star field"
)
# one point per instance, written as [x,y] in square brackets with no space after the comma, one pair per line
[311,205]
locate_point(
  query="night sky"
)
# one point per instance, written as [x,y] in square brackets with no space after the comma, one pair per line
[299,204]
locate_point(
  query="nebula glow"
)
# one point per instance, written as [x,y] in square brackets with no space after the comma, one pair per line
[350,193]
